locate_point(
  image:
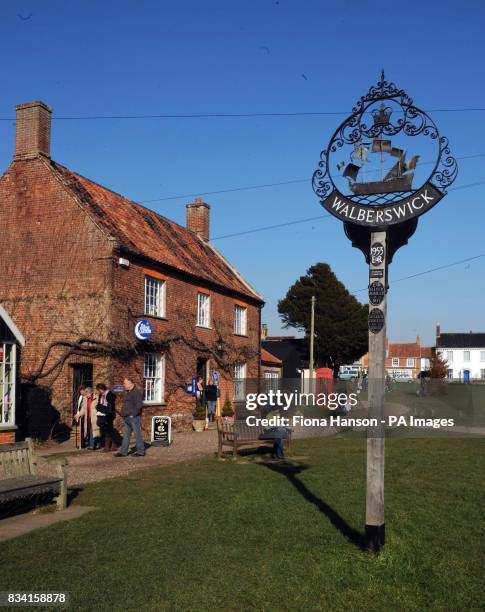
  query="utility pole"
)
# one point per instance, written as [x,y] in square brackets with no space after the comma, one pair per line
[374,510]
[312,339]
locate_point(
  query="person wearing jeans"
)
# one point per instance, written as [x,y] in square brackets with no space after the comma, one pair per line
[131,413]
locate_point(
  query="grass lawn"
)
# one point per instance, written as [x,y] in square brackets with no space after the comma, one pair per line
[211,535]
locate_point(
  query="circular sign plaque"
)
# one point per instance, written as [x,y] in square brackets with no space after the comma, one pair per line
[376,293]
[376,320]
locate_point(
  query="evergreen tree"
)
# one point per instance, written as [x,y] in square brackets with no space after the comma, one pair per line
[341,332]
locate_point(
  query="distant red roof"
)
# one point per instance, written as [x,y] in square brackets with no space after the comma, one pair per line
[148,234]
[268,359]
[409,349]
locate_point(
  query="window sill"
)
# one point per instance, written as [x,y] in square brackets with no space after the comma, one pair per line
[241,335]
[149,316]
[203,326]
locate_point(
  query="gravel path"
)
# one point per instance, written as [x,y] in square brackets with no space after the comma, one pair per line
[89,466]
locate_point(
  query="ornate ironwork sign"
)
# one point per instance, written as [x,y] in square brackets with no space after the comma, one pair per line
[376,320]
[368,174]
[376,293]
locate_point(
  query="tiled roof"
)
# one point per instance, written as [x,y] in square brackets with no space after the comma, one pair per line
[464,340]
[427,352]
[409,349]
[268,358]
[150,235]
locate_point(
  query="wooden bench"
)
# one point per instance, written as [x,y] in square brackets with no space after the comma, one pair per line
[25,475]
[237,434]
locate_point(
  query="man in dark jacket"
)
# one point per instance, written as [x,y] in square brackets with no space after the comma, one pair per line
[106,416]
[131,413]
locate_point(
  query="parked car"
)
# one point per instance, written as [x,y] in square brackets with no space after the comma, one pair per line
[348,373]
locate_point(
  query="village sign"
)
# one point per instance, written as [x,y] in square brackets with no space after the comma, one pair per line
[366,179]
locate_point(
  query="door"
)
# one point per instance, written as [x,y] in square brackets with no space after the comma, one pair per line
[82,374]
[202,369]
[466,376]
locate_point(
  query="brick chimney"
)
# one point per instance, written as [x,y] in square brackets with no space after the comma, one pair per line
[198,218]
[33,130]
[438,333]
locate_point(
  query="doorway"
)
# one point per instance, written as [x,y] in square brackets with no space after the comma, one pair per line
[202,368]
[82,374]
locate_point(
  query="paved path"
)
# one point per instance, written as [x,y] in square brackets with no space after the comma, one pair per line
[19,525]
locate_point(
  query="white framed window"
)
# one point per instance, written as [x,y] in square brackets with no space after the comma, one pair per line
[466,356]
[395,362]
[240,320]
[203,309]
[410,362]
[482,356]
[239,381]
[449,356]
[8,361]
[482,374]
[154,296]
[271,378]
[449,374]
[153,378]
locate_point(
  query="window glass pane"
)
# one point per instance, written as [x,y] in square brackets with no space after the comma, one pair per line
[239,381]
[153,375]
[466,355]
[154,297]
[240,316]
[203,310]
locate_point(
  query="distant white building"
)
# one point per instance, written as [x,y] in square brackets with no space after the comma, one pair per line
[464,354]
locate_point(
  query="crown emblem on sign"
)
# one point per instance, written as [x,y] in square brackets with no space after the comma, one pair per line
[381,116]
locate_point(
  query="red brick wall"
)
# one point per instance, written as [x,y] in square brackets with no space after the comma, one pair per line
[187,341]
[7,437]
[55,272]
[61,282]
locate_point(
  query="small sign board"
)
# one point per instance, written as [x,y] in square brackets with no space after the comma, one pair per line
[376,320]
[118,389]
[376,273]
[161,431]
[215,376]
[376,293]
[194,386]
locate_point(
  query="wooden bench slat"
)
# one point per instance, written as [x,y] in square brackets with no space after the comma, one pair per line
[26,482]
[18,478]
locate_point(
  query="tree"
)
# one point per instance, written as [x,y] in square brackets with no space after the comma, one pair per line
[341,333]
[438,367]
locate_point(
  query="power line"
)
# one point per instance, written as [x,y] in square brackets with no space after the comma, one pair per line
[296,221]
[265,185]
[235,115]
[429,271]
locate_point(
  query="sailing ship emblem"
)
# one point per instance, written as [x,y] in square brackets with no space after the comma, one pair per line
[399,178]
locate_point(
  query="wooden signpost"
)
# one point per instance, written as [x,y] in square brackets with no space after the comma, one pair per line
[380,214]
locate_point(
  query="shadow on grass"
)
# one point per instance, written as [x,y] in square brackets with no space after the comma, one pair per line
[291,472]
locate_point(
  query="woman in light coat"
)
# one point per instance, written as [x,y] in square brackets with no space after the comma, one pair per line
[88,410]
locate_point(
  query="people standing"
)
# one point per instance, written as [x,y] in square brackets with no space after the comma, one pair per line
[106,416]
[88,411]
[79,409]
[211,394]
[131,413]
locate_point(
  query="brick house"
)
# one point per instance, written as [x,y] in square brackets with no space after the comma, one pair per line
[404,360]
[83,264]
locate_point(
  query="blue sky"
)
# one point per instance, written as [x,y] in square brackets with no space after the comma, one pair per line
[132,58]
